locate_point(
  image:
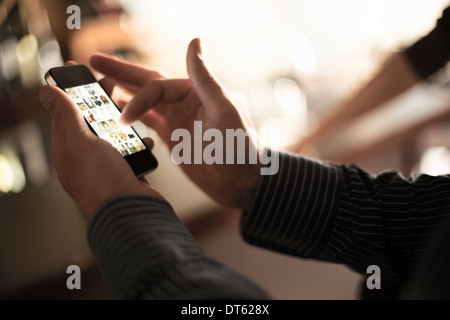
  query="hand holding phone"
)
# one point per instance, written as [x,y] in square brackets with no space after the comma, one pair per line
[88,168]
[102,115]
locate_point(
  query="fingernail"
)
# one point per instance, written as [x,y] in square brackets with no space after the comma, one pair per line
[45,96]
[200,48]
[123,121]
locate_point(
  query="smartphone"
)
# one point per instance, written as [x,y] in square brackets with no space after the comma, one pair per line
[102,115]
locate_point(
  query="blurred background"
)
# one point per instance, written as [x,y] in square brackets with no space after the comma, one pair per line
[288,62]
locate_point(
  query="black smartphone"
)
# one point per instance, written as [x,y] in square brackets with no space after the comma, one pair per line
[102,115]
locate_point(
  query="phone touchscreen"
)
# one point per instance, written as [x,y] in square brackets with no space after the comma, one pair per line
[103,116]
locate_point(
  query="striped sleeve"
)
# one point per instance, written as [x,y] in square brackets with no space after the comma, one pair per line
[146,252]
[295,209]
[342,214]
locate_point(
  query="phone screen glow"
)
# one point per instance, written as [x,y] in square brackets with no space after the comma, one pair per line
[103,116]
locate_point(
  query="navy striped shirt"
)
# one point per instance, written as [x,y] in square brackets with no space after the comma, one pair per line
[342,214]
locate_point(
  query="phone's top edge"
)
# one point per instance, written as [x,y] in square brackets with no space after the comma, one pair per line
[69,66]
[48,78]
[69,76]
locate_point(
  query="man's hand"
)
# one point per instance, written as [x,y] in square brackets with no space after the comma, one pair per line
[89,168]
[170,104]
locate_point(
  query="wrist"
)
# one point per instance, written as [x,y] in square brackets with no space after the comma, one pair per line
[268,164]
[249,187]
[90,205]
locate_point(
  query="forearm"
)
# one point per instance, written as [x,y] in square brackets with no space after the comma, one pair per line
[341,214]
[146,252]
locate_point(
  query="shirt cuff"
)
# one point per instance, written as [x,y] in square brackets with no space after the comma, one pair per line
[294,210]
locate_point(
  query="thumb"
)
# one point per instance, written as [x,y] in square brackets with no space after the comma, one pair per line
[149,142]
[66,116]
[207,87]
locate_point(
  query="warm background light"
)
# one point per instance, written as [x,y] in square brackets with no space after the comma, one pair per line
[328,47]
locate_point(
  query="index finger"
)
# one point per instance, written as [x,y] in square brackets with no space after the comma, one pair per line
[155,92]
[123,71]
